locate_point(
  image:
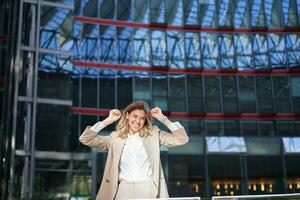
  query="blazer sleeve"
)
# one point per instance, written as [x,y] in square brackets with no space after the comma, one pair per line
[175,138]
[91,139]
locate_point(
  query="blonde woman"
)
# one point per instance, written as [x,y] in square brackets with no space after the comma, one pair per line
[133,169]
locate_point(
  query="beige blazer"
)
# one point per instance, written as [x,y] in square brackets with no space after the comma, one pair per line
[114,145]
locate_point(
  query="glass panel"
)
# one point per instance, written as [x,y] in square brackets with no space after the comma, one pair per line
[257,14]
[141,11]
[293,174]
[191,12]
[272,13]
[276,46]
[192,50]
[289,12]
[54,86]
[227,181]
[208,13]
[174,12]
[212,94]
[142,87]
[271,180]
[285,128]
[232,128]
[225,144]
[247,96]
[186,175]
[295,90]
[124,89]
[54,63]
[124,46]
[243,47]
[89,92]
[177,97]
[195,94]
[160,91]
[124,10]
[241,14]
[107,93]
[209,50]
[75,92]
[281,93]
[225,13]
[230,100]
[264,94]
[196,127]
[175,49]
[107,44]
[158,11]
[89,45]
[53,121]
[263,145]
[141,51]
[56,28]
[267,128]
[226,51]
[158,43]
[260,50]
[107,9]
[249,128]
[293,49]
[214,127]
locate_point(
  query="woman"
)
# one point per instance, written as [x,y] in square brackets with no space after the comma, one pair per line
[133,169]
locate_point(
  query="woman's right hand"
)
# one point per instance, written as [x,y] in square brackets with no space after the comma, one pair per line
[114,115]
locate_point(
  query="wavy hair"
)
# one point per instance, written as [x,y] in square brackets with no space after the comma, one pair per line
[123,124]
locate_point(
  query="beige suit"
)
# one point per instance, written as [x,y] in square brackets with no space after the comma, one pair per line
[114,145]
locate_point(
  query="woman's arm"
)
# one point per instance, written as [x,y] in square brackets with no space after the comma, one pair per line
[177,137]
[89,136]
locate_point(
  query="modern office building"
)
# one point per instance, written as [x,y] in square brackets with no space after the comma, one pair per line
[228,70]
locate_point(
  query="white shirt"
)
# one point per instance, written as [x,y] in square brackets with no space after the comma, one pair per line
[134,164]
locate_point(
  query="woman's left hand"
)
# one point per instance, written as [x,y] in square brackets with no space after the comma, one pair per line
[156,113]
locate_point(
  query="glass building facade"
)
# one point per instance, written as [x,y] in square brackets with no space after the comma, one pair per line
[228,70]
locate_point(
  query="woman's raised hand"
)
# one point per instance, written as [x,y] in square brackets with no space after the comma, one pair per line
[114,115]
[156,113]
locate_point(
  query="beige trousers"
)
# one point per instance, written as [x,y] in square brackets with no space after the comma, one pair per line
[136,190]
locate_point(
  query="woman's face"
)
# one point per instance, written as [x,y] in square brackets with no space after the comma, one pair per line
[136,120]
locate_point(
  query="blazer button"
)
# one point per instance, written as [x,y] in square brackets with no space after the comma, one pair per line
[107,181]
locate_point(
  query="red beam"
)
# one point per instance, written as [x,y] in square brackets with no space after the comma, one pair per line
[91,20]
[186,71]
[253,116]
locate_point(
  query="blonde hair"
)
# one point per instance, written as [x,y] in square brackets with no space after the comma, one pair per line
[123,124]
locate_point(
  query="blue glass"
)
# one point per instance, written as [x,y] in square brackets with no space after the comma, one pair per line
[226,51]
[241,14]
[124,46]
[191,12]
[225,13]
[208,13]
[175,49]
[192,50]
[107,44]
[243,46]
[257,14]
[209,50]
[141,50]
[174,12]
[158,44]
[276,44]
[293,49]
